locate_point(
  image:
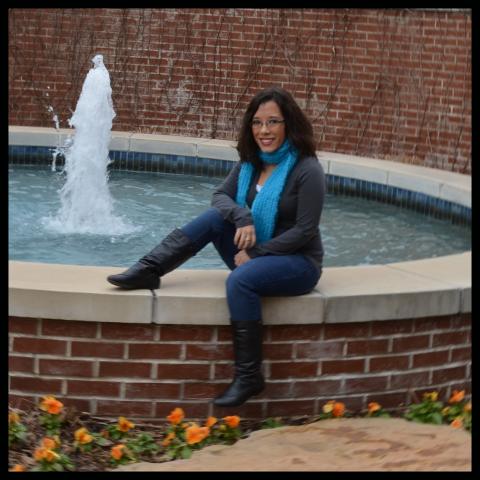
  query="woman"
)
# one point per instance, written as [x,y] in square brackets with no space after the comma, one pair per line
[264,224]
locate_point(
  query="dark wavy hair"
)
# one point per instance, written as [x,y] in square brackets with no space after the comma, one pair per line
[298,128]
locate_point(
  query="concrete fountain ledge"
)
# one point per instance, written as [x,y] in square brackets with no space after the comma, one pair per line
[422,288]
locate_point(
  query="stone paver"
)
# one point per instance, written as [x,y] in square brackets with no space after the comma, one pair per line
[355,444]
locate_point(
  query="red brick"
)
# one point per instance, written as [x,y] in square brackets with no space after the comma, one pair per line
[190,371]
[97,349]
[451,374]
[193,410]
[315,388]
[200,390]
[459,354]
[430,359]
[154,350]
[125,369]
[125,331]
[294,332]
[152,390]
[383,364]
[392,327]
[450,338]
[410,343]
[409,380]
[293,369]
[124,408]
[77,368]
[365,384]
[209,352]
[36,385]
[197,333]
[22,325]
[290,408]
[347,330]
[320,350]
[39,345]
[342,366]
[93,388]
[68,328]
[277,351]
[367,347]
[20,364]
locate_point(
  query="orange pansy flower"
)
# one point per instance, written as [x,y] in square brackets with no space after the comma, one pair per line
[373,407]
[43,453]
[124,425]
[82,436]
[195,434]
[457,396]
[50,443]
[168,439]
[176,416]
[210,421]
[338,409]
[117,451]
[232,421]
[13,418]
[457,423]
[51,405]
[17,468]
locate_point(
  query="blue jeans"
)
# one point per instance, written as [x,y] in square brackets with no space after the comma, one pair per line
[268,275]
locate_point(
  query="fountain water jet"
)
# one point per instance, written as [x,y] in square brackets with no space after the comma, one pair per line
[87,206]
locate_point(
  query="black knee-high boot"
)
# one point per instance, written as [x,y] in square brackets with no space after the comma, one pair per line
[175,249]
[248,379]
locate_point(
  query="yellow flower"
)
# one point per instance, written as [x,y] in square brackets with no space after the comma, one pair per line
[467,407]
[82,436]
[338,409]
[51,405]
[13,418]
[232,420]
[445,411]
[124,425]
[117,451]
[457,396]
[457,423]
[373,407]
[43,453]
[17,468]
[176,416]
[168,439]
[328,407]
[195,434]
[432,396]
[210,421]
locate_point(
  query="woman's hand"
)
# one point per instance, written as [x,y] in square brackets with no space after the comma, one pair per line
[245,237]
[241,257]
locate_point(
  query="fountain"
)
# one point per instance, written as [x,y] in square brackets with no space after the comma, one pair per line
[86,203]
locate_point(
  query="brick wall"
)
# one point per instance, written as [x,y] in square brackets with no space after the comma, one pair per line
[144,371]
[385,83]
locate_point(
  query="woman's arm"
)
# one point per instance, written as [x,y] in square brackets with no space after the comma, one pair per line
[311,194]
[223,199]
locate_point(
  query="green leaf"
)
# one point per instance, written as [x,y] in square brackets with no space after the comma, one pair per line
[186,452]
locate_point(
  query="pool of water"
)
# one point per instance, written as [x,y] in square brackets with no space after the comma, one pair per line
[355,231]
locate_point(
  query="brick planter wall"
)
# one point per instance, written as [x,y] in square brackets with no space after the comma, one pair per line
[144,371]
[385,83]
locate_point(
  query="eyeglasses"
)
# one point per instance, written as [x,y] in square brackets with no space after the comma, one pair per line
[271,123]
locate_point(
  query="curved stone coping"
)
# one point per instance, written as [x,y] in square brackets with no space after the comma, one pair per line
[415,289]
[449,186]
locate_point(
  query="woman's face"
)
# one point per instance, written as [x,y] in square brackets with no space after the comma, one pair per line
[269,137]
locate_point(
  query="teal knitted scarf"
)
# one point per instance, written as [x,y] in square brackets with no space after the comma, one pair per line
[265,205]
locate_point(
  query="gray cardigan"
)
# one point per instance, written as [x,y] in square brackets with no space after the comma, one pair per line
[299,211]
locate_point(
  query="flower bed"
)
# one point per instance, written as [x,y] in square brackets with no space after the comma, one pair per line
[53,438]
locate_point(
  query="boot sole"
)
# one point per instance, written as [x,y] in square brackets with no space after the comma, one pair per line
[130,287]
